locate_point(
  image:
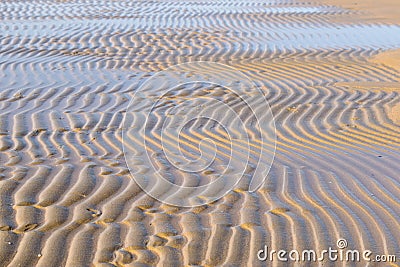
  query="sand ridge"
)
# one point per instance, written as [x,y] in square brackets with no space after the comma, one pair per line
[67,197]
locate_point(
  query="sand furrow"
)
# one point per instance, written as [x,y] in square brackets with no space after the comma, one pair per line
[69,70]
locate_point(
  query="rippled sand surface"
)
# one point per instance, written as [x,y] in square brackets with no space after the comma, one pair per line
[70,68]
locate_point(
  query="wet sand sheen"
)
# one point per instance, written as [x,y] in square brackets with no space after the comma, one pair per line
[66,195]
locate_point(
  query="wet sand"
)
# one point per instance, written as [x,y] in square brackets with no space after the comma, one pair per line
[70,68]
[386,11]
[380,11]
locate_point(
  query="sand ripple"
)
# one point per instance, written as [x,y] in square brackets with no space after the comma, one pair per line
[68,71]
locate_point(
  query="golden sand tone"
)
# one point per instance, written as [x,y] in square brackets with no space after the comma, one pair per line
[390,58]
[386,11]
[69,70]
[381,11]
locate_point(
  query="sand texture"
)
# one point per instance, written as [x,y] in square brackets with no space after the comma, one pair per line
[386,11]
[69,70]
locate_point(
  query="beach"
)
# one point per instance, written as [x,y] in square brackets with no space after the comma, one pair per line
[71,73]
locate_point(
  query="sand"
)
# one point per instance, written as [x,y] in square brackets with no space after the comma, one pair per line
[386,11]
[70,68]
